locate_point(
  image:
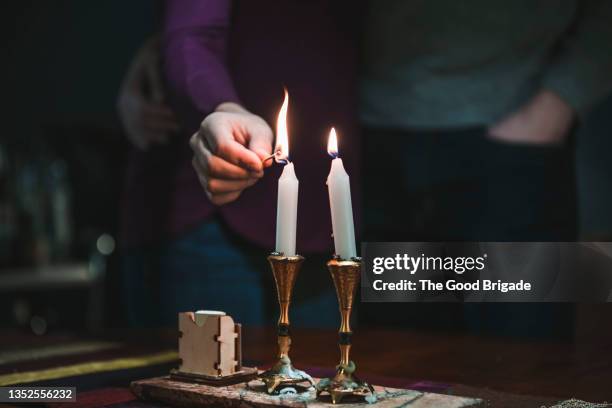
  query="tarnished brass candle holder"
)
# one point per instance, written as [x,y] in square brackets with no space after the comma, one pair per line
[346,276]
[282,374]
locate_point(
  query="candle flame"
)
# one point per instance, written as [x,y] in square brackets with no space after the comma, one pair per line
[332,144]
[281,150]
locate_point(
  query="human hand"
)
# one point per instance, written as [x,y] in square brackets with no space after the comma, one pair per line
[146,118]
[229,151]
[545,120]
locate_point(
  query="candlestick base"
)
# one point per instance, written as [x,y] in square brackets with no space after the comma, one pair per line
[283,375]
[345,384]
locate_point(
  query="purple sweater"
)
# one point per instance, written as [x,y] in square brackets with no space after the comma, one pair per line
[246,51]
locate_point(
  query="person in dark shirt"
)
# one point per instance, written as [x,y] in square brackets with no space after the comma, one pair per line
[470,110]
[198,224]
[473,105]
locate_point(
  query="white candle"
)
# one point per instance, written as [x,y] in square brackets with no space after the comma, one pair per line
[338,184]
[286,211]
[288,186]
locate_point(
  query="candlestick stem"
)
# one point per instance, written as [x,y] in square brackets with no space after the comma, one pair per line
[285,270]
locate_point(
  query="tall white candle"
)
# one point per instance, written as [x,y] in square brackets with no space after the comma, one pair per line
[288,186]
[286,211]
[339,187]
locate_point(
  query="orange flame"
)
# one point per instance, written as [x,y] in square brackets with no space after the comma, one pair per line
[332,143]
[281,150]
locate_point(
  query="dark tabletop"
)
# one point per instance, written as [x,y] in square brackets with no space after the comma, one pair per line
[503,371]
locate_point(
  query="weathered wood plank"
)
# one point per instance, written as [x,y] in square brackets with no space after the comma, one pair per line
[251,395]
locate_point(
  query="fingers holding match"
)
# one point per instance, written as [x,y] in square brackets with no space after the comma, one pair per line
[229,152]
[217,167]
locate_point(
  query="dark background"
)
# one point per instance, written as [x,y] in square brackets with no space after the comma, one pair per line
[62,64]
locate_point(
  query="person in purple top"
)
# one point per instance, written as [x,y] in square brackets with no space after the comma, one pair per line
[199,239]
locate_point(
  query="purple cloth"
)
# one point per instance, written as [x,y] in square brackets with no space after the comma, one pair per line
[247,53]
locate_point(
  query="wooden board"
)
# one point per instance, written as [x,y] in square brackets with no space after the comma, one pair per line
[246,374]
[252,395]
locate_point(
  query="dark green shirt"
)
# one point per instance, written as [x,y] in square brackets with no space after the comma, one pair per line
[455,63]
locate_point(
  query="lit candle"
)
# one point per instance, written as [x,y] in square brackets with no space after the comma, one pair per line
[288,185]
[338,184]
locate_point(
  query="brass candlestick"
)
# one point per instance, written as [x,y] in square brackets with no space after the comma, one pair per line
[282,374]
[346,276]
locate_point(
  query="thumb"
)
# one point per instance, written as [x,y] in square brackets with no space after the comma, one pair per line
[260,143]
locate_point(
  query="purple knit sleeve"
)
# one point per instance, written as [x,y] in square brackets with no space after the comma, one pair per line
[194,46]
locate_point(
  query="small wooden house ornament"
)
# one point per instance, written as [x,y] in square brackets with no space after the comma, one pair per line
[210,348]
